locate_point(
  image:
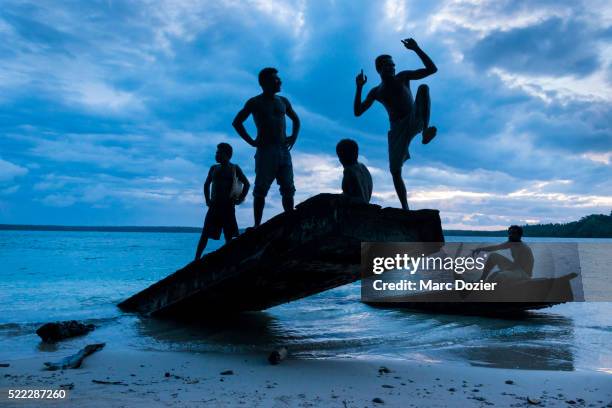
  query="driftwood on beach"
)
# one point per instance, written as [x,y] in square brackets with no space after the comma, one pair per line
[75,360]
[297,254]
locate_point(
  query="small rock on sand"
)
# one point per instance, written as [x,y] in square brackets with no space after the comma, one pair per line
[277,355]
[383,370]
[52,332]
[378,400]
[533,400]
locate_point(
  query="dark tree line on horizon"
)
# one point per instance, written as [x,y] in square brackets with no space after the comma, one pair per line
[590,226]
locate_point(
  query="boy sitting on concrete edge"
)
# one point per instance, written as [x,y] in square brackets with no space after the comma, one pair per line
[356,181]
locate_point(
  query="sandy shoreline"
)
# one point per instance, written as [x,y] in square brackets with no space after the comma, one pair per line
[196,380]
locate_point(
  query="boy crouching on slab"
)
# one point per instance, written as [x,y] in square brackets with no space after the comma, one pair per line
[229,187]
[356,181]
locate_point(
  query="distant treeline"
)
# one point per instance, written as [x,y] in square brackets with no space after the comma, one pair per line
[15,227]
[591,226]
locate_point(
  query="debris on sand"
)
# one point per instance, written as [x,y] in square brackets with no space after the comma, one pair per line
[277,355]
[533,401]
[108,382]
[75,360]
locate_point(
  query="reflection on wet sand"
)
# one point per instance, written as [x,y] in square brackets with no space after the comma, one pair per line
[256,331]
[537,342]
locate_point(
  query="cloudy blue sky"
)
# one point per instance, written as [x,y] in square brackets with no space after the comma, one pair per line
[110,110]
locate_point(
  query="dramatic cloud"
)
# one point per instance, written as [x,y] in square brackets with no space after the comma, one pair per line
[110,111]
[554,47]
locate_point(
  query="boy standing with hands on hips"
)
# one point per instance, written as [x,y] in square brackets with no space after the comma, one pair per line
[272,159]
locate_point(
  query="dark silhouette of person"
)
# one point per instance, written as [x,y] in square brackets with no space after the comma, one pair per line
[407,117]
[356,179]
[521,265]
[222,198]
[272,159]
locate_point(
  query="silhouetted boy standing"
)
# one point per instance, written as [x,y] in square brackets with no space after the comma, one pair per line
[272,159]
[225,179]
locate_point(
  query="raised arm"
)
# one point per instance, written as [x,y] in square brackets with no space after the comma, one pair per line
[295,120]
[358,106]
[238,124]
[430,67]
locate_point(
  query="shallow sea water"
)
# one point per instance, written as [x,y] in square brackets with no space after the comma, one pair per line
[48,276]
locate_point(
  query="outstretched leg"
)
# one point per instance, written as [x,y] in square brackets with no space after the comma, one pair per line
[400,188]
[423,108]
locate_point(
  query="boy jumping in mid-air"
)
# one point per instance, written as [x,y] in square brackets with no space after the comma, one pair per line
[222,198]
[407,117]
[356,181]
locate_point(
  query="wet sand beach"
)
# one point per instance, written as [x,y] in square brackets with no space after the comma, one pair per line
[204,379]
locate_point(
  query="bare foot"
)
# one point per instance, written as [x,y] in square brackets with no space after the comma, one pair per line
[429,134]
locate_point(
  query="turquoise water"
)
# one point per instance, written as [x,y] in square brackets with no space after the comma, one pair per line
[47,276]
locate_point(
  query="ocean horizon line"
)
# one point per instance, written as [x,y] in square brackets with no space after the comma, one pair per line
[161,228]
[97,228]
[185,229]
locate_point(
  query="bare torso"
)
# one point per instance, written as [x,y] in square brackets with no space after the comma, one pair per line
[522,256]
[395,96]
[269,116]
